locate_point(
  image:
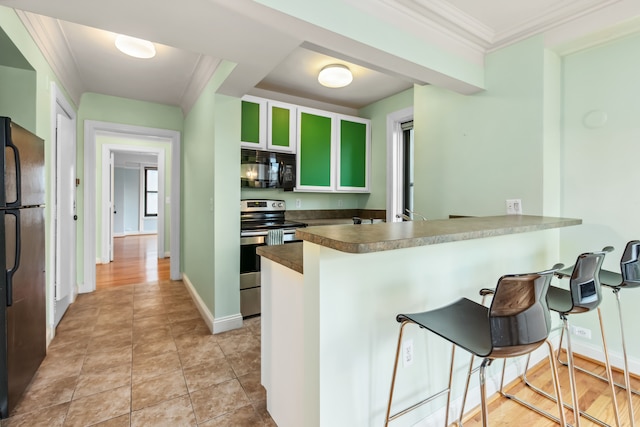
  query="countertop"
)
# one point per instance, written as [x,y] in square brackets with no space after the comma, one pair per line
[366,238]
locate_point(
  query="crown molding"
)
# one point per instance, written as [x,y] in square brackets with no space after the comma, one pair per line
[202,73]
[50,39]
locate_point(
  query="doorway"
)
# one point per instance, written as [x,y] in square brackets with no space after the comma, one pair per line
[94,128]
[63,272]
[400,197]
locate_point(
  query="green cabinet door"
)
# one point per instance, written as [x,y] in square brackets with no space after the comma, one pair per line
[281,127]
[315,150]
[253,127]
[353,154]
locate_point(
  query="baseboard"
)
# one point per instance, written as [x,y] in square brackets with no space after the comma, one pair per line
[216,326]
[596,353]
[167,254]
[202,307]
[513,371]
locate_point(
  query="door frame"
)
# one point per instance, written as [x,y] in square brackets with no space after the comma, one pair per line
[395,162]
[91,128]
[106,228]
[59,105]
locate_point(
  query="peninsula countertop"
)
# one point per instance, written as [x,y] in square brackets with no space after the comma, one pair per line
[366,238]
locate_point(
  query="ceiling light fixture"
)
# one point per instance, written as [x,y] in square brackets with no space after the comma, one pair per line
[335,76]
[137,48]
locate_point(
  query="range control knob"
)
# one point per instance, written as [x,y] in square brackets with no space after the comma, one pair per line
[273,205]
[280,204]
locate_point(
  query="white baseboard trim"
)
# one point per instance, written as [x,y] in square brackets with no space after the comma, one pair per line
[202,307]
[513,371]
[167,254]
[597,353]
[216,326]
[227,323]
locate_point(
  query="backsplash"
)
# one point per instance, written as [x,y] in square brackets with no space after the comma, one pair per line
[309,201]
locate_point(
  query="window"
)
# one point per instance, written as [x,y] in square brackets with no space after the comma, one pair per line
[150,191]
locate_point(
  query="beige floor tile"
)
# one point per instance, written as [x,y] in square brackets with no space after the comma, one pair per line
[105,359]
[218,400]
[238,343]
[243,417]
[245,362]
[43,392]
[253,387]
[261,409]
[208,374]
[152,334]
[97,381]
[51,416]
[146,367]
[192,356]
[154,347]
[189,327]
[159,389]
[174,412]
[99,407]
[140,324]
[121,421]
[61,368]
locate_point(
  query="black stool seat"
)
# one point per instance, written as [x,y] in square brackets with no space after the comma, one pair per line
[559,300]
[464,323]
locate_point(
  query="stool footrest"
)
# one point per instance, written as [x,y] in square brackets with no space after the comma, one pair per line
[417,405]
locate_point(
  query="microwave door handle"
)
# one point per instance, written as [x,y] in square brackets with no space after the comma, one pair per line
[280,173]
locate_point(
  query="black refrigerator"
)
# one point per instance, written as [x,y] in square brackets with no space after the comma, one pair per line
[22,254]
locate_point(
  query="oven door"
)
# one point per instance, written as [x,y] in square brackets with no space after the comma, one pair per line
[250,261]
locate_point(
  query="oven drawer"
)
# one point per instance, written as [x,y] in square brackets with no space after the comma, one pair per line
[250,302]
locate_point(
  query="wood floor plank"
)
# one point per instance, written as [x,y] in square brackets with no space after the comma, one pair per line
[135,260]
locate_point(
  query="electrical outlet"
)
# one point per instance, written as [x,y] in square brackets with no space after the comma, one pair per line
[581,332]
[407,353]
[298,203]
[514,207]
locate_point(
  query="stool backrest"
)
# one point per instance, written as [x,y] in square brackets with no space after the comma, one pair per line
[630,266]
[585,288]
[519,315]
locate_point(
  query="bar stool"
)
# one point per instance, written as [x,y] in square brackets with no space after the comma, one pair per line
[584,295]
[630,278]
[517,322]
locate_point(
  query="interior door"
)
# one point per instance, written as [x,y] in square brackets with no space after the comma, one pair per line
[112,209]
[65,215]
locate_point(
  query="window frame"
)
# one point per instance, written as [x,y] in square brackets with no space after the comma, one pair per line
[146,191]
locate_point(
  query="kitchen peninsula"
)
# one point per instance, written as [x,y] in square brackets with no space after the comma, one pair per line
[329,304]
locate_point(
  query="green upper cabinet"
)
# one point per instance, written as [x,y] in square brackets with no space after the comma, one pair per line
[253,131]
[334,152]
[354,154]
[315,150]
[281,129]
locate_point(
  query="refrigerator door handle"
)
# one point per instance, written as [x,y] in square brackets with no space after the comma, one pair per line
[16,158]
[16,263]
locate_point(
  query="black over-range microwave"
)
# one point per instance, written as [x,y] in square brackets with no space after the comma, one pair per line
[267,169]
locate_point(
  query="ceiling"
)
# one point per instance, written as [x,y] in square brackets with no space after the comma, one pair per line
[278,53]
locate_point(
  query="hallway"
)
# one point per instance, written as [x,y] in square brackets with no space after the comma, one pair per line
[139,354]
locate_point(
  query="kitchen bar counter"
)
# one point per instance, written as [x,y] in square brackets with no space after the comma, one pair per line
[329,332]
[366,238]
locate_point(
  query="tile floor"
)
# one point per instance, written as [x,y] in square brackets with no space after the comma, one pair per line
[141,355]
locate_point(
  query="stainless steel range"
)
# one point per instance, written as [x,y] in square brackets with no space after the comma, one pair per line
[257,217]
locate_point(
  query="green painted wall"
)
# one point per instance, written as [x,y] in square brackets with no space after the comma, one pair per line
[35,114]
[112,109]
[357,23]
[600,153]
[377,113]
[18,95]
[473,152]
[134,142]
[211,220]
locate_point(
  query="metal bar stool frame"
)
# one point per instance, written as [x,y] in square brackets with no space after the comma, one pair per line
[584,295]
[628,278]
[517,322]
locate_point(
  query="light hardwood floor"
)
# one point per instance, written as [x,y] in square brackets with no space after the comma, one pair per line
[594,398]
[135,260]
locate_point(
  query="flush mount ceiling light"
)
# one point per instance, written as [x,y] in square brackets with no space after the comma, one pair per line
[137,48]
[335,76]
